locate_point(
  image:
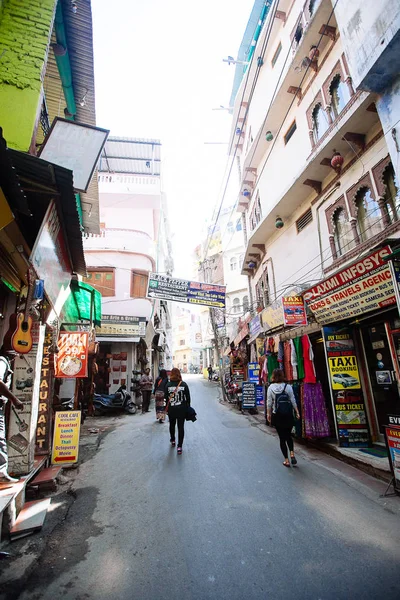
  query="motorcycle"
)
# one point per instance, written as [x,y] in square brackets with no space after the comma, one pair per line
[215,377]
[121,400]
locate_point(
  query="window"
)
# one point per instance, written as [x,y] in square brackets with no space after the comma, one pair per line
[391,196]
[256,213]
[290,132]
[181,342]
[304,220]
[312,6]
[340,95]
[230,227]
[139,284]
[343,235]
[276,54]
[262,290]
[103,280]
[241,259]
[369,217]
[233,263]
[236,305]
[298,35]
[184,357]
[246,305]
[320,122]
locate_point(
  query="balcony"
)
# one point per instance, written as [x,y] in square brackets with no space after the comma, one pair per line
[121,240]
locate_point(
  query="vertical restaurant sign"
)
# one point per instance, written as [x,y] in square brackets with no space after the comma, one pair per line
[50,259]
[393,444]
[255,326]
[363,286]
[294,311]
[45,398]
[72,359]
[348,400]
[66,437]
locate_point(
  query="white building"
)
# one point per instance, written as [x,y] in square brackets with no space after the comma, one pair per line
[134,241]
[186,339]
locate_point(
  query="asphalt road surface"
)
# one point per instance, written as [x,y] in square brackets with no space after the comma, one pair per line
[223,521]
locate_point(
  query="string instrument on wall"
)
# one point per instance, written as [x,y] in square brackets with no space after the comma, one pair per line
[21,339]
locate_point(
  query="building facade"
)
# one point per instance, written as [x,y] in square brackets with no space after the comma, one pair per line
[187,339]
[319,187]
[134,241]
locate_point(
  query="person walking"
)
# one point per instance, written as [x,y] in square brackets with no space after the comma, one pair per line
[5,394]
[280,406]
[210,372]
[160,388]
[146,385]
[178,399]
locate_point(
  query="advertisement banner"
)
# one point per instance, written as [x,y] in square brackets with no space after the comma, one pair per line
[67,426]
[260,395]
[348,400]
[255,326]
[72,359]
[43,428]
[254,372]
[294,311]
[249,394]
[272,316]
[364,286]
[393,446]
[260,347]
[164,287]
[122,326]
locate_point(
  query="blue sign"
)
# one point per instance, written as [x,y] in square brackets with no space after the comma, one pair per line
[164,287]
[260,395]
[254,371]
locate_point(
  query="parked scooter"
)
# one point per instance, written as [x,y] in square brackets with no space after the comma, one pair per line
[121,400]
[232,390]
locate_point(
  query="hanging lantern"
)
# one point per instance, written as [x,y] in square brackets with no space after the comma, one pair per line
[313,54]
[269,137]
[279,223]
[246,193]
[337,161]
[238,131]
[251,264]
[260,62]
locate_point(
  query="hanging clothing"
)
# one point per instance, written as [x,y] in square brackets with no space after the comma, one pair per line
[299,354]
[272,363]
[315,415]
[293,359]
[297,394]
[308,357]
[287,364]
[280,354]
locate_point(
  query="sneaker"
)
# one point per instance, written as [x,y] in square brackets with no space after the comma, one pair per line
[173,443]
[7,478]
[179,450]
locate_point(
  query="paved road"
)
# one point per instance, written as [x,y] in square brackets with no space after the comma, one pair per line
[224,521]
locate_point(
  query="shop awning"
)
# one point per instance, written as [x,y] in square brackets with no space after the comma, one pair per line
[104,338]
[299,331]
[83,303]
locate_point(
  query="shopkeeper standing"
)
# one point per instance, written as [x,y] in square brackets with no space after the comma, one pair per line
[5,394]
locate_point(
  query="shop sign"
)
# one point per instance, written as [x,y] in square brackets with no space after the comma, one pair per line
[21,434]
[272,316]
[344,376]
[45,398]
[260,395]
[50,259]
[122,326]
[393,446]
[260,347]
[255,326]
[163,287]
[67,426]
[253,370]
[72,359]
[394,266]
[364,286]
[294,311]
[249,394]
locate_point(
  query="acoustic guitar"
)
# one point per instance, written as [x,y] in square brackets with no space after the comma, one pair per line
[21,340]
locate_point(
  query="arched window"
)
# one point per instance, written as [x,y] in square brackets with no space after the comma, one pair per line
[340,95]
[298,34]
[369,216]
[230,227]
[236,305]
[245,304]
[241,259]
[312,6]
[233,263]
[320,122]
[392,194]
[343,235]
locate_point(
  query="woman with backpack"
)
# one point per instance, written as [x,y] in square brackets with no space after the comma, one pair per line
[178,400]
[281,404]
[159,391]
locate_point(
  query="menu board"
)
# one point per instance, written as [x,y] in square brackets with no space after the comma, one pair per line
[249,394]
[348,400]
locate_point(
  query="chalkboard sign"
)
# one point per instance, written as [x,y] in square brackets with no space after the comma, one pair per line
[249,394]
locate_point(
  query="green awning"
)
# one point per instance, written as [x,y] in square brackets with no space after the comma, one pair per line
[82,303]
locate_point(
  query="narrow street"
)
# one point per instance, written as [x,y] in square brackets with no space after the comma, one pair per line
[225,520]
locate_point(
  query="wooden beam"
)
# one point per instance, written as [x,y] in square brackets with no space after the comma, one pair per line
[329,31]
[316,185]
[295,90]
[355,138]
[255,256]
[326,162]
[280,14]
[372,107]
[248,182]
[260,247]
[251,170]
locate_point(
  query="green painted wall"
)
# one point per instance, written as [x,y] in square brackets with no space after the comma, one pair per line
[25,30]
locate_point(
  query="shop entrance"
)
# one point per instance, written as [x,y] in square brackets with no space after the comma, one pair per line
[382,350]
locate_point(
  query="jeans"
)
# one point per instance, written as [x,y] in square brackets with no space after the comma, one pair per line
[146,395]
[285,439]
[180,418]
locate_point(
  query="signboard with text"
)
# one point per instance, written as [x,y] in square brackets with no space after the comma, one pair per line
[348,400]
[164,287]
[272,316]
[392,435]
[72,359]
[67,426]
[249,394]
[122,326]
[253,370]
[360,288]
[255,326]
[294,311]
[43,428]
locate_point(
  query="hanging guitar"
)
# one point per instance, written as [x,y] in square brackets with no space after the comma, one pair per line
[21,340]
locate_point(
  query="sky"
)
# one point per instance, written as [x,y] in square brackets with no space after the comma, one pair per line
[159,74]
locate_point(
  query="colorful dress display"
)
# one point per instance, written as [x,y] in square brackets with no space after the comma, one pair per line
[308,359]
[315,416]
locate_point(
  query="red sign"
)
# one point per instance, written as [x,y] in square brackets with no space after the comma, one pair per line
[294,311]
[72,359]
[393,445]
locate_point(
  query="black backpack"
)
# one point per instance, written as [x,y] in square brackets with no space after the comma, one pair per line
[283,405]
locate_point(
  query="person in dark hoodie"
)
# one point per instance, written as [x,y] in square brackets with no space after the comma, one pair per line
[178,399]
[160,387]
